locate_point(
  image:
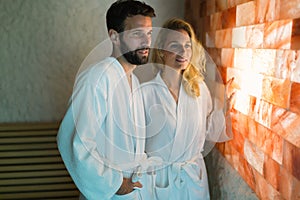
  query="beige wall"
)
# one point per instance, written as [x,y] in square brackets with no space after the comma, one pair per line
[42,46]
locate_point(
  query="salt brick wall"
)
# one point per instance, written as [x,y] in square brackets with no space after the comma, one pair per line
[258,43]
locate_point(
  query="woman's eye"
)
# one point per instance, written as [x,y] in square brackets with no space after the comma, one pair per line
[188,46]
[174,46]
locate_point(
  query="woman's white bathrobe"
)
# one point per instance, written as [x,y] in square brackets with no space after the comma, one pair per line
[101,138]
[177,133]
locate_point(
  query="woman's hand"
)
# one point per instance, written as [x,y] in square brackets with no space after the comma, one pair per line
[229,96]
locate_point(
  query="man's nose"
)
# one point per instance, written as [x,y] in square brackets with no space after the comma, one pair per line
[146,40]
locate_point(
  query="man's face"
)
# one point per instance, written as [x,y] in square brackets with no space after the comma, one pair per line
[136,39]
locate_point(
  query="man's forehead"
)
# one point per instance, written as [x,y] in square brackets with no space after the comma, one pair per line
[138,22]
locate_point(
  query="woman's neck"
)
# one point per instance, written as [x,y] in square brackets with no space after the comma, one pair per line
[172,78]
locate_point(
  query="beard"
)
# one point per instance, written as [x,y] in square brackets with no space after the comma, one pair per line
[132,56]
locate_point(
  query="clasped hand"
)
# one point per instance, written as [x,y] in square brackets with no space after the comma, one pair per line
[128,186]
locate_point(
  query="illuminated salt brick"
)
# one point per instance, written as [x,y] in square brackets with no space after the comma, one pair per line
[210,39]
[267,11]
[264,61]
[289,9]
[237,74]
[232,3]
[203,8]
[246,172]
[223,38]
[238,142]
[254,156]
[251,83]
[242,58]
[268,141]
[272,172]
[277,35]
[227,56]
[255,36]
[211,7]
[287,125]
[239,37]
[265,190]
[263,113]
[295,41]
[292,159]
[245,14]
[229,18]
[232,155]
[221,5]
[215,22]
[214,56]
[248,36]
[276,91]
[240,123]
[289,186]
[285,63]
[295,98]
[206,23]
[295,68]
[242,102]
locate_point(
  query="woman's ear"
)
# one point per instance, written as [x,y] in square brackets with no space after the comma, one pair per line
[114,36]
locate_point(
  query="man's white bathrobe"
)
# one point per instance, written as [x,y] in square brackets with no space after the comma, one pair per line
[101,138]
[176,133]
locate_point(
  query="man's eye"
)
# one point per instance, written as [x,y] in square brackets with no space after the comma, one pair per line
[137,33]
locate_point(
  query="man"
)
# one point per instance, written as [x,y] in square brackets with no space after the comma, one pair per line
[101,138]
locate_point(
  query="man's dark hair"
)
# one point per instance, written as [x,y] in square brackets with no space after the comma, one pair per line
[121,9]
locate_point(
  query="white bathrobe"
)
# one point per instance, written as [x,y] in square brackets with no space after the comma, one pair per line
[177,133]
[101,138]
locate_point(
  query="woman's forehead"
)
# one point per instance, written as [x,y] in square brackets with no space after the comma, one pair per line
[178,35]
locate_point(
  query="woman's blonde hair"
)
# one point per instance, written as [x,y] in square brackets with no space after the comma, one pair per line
[193,74]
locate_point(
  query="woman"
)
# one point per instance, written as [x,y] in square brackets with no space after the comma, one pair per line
[179,114]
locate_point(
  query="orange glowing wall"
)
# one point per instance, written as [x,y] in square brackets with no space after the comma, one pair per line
[258,42]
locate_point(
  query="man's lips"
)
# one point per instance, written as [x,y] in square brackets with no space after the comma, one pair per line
[143,51]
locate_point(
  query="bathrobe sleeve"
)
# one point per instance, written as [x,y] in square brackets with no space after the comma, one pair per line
[80,147]
[218,125]
[218,122]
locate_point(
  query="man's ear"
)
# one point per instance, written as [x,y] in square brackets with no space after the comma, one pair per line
[114,36]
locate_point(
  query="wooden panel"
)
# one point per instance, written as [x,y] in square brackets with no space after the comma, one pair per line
[16,161]
[32,167]
[30,163]
[28,140]
[37,180]
[12,154]
[31,146]
[67,194]
[13,175]
[38,133]
[28,126]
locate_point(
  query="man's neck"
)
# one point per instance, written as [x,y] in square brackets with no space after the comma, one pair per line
[128,68]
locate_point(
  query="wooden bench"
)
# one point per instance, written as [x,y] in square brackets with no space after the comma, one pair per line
[30,164]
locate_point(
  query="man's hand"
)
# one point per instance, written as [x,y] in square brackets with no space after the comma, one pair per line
[128,186]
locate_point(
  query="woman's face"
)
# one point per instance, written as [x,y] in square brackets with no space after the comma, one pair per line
[177,50]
